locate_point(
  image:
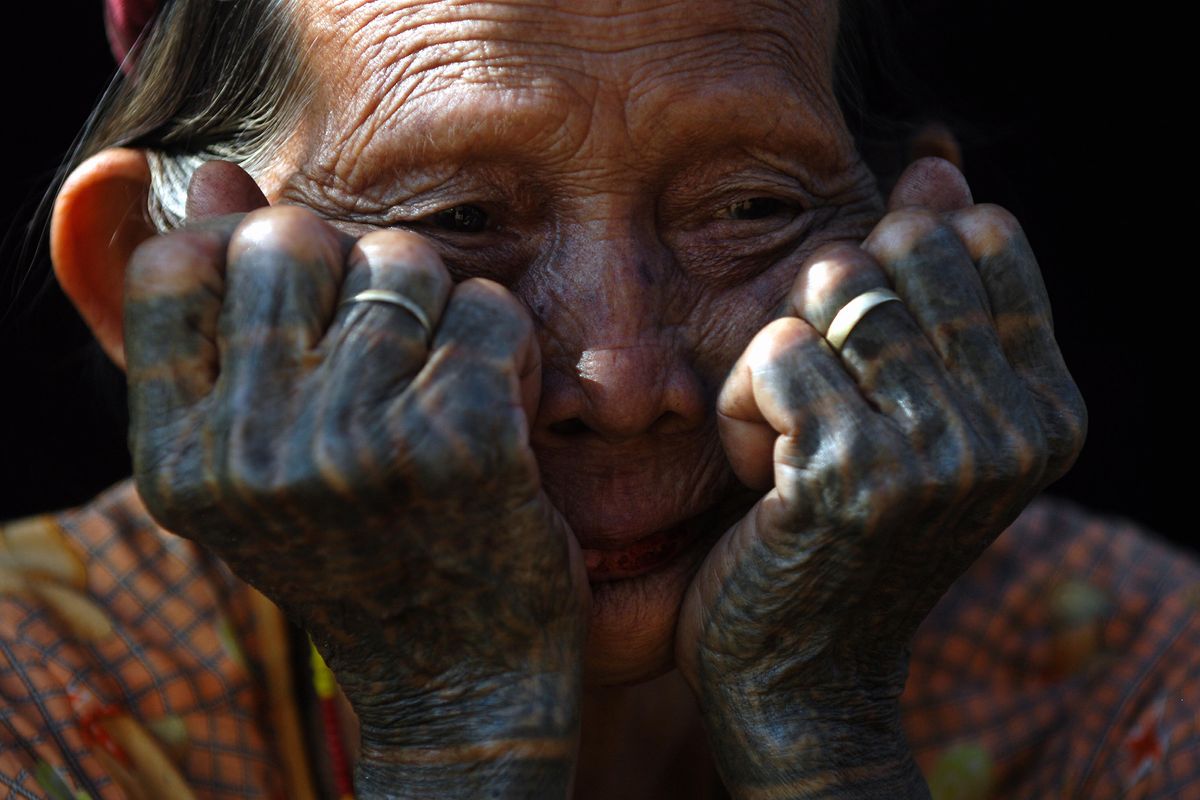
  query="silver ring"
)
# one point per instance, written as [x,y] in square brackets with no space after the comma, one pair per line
[853,312]
[395,299]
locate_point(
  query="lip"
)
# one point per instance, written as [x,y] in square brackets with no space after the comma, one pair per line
[650,552]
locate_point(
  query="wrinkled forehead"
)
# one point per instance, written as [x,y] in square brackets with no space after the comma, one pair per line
[591,35]
[580,30]
[426,66]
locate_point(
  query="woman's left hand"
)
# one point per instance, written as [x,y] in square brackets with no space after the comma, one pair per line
[891,466]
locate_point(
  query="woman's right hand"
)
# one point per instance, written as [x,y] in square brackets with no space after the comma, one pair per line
[378,487]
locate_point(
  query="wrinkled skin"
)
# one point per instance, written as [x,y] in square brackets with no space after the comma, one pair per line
[674,212]
[889,469]
[404,506]
[608,152]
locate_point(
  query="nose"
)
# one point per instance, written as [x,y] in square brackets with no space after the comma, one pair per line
[614,365]
[625,391]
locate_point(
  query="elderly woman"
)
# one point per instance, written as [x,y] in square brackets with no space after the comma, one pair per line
[560,370]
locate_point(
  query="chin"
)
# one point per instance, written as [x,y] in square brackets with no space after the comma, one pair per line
[646,514]
[631,635]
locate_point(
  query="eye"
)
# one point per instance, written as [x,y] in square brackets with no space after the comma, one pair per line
[461,219]
[755,208]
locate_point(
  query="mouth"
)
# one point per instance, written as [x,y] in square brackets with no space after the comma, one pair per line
[646,554]
[659,550]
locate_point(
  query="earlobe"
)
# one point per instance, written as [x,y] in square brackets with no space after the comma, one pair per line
[99,219]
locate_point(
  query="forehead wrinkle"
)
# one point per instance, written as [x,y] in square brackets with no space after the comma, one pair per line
[591,25]
[525,89]
[763,77]
[746,116]
[422,123]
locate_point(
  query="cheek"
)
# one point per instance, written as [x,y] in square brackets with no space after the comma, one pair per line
[722,323]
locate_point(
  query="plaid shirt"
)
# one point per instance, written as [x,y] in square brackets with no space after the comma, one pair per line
[1065,663]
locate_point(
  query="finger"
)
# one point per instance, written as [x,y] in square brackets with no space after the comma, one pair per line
[1021,312]
[932,271]
[283,272]
[219,188]
[501,333]
[791,401]
[174,288]
[827,452]
[748,439]
[374,348]
[478,390]
[931,183]
[283,279]
[891,360]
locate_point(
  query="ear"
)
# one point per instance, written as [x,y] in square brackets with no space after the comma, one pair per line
[99,219]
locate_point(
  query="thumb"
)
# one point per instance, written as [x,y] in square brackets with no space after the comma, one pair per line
[219,188]
[932,183]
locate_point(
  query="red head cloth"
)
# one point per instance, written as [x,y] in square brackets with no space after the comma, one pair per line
[124,21]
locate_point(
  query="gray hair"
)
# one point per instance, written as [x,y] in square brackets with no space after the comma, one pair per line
[212,79]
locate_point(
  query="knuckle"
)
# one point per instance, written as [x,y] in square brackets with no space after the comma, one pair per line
[488,309]
[165,479]
[779,341]
[279,216]
[1075,419]
[489,294]
[1014,464]
[407,260]
[157,501]
[895,484]
[901,232]
[331,455]
[835,262]
[464,424]
[832,277]
[250,467]
[402,246]
[987,229]
[981,461]
[1066,431]
[1008,461]
[169,264]
[953,469]
[289,229]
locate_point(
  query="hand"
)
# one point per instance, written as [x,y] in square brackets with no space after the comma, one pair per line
[891,467]
[378,487]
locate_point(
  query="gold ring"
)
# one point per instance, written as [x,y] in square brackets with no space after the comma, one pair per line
[853,312]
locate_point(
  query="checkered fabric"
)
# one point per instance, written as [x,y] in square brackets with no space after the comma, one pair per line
[1096,701]
[1065,663]
[177,657]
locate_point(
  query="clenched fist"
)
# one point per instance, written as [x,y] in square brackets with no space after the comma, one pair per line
[891,465]
[372,477]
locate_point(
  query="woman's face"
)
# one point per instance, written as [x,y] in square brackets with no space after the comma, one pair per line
[647,178]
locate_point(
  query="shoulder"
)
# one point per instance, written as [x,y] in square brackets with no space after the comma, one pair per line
[1111,551]
[120,657]
[1069,654]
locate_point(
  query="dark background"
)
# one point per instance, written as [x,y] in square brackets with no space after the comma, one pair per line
[1062,120]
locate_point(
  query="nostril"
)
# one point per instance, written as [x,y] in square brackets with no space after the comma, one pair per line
[568,427]
[669,422]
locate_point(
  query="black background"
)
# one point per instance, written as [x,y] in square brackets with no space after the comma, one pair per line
[1066,120]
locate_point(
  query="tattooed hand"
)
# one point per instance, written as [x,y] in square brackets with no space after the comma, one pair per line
[891,467]
[380,488]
